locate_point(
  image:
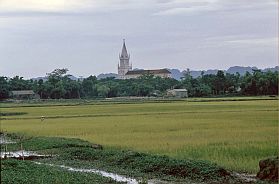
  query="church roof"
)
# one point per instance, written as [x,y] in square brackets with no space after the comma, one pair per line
[124,53]
[152,72]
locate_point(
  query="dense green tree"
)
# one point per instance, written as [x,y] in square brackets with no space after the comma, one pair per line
[102,90]
[18,83]
[59,85]
[89,88]
[219,82]
[4,88]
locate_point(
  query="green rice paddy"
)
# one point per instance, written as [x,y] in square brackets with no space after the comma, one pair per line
[233,134]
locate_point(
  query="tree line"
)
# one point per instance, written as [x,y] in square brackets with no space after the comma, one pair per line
[59,85]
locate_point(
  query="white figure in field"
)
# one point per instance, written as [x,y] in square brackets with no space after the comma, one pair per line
[42,118]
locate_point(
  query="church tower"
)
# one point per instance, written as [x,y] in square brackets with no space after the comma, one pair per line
[124,65]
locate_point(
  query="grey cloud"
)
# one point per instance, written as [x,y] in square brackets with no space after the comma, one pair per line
[194,7]
[87,39]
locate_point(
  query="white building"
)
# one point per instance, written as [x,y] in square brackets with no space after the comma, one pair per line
[125,68]
[180,93]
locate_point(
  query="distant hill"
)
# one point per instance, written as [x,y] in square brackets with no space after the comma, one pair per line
[276,68]
[177,74]
[106,75]
[39,78]
[73,77]
[240,69]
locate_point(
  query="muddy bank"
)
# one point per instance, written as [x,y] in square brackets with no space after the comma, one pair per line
[269,169]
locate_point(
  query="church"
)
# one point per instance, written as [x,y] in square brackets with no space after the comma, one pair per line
[125,68]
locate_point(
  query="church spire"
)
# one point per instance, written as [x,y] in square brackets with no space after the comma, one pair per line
[124,53]
[124,65]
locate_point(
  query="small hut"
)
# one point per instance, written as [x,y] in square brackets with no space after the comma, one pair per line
[179,93]
[24,94]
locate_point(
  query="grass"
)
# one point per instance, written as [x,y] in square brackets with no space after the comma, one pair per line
[20,172]
[82,154]
[235,134]
[123,100]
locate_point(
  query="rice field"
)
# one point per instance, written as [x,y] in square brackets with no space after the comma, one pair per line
[233,134]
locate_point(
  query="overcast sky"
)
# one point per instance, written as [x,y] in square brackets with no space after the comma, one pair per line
[85,36]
